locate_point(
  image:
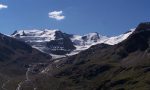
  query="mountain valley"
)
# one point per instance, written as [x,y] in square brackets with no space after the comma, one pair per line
[107,63]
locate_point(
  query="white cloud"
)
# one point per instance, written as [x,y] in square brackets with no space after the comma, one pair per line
[58,15]
[2,6]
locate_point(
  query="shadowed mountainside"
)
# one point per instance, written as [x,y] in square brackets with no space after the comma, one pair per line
[15,57]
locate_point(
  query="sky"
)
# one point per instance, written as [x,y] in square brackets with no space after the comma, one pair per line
[107,17]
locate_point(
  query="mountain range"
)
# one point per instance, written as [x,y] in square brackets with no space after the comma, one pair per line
[91,62]
[56,42]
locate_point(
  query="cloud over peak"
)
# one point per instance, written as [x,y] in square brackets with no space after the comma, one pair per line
[58,15]
[2,6]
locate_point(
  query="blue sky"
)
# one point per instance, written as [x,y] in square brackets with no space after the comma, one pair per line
[108,17]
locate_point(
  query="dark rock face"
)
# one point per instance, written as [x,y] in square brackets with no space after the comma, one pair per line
[92,38]
[61,45]
[143,27]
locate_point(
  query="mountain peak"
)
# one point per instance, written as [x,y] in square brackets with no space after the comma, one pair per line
[143,26]
[139,39]
[33,32]
[91,36]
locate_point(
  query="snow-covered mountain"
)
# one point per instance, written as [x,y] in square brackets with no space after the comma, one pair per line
[117,39]
[88,40]
[56,42]
[49,41]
